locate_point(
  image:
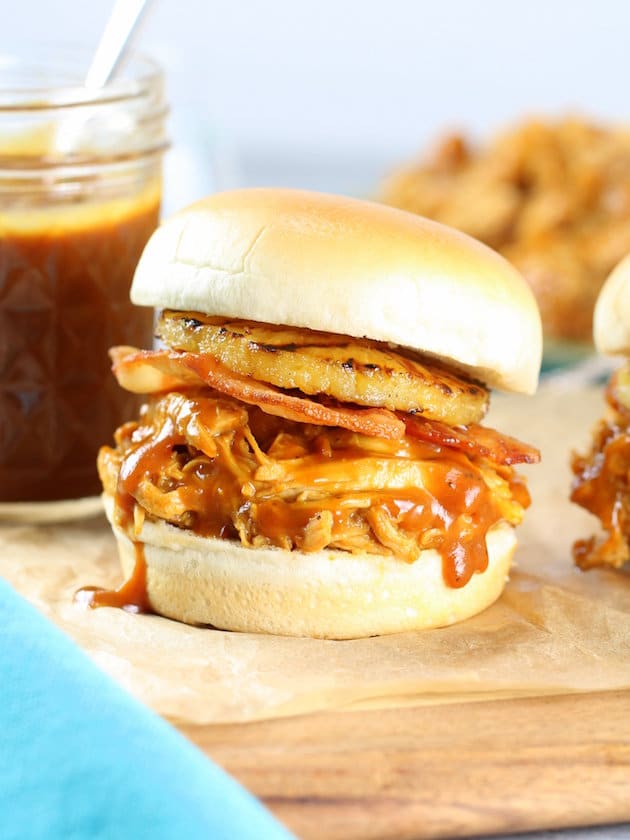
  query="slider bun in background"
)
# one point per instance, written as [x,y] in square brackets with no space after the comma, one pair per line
[611,329]
[346,266]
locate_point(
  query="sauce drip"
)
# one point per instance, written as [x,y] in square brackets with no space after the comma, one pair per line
[131,596]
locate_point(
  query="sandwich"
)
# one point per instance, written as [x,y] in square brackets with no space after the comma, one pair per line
[310,459]
[601,482]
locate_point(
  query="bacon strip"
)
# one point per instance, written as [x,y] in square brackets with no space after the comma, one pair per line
[147,371]
[476,440]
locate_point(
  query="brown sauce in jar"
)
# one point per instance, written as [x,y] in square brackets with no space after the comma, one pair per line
[65,276]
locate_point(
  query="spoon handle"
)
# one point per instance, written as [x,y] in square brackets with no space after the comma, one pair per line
[120,27]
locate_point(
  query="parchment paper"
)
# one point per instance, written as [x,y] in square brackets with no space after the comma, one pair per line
[555,629]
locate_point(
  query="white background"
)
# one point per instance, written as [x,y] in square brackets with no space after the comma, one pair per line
[333,93]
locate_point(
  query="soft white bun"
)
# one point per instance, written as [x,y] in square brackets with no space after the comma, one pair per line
[329,594]
[611,322]
[347,266]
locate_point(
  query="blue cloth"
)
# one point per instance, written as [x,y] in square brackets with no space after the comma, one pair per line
[80,758]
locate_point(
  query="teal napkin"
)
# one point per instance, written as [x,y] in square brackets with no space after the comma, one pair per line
[80,758]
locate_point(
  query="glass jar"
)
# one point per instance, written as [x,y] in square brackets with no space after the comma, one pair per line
[80,189]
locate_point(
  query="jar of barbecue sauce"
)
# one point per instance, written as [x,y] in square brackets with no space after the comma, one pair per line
[80,187]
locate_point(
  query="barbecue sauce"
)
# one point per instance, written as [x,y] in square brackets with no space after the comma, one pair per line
[65,276]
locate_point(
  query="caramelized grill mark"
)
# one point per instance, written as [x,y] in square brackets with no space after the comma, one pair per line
[361,371]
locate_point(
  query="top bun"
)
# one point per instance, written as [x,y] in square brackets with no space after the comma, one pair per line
[611,322]
[341,265]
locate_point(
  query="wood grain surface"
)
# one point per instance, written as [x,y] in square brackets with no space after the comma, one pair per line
[454,770]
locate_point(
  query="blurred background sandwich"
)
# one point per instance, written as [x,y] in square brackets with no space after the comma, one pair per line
[553,196]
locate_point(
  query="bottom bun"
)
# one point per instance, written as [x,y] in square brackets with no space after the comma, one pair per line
[326,595]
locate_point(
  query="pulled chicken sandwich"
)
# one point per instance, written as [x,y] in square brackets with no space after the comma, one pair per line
[310,459]
[601,481]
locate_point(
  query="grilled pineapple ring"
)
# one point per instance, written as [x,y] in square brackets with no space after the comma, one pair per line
[349,370]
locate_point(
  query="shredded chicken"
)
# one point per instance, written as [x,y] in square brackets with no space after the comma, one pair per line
[201,460]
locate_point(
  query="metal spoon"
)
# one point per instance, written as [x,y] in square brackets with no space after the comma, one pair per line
[115,41]
[111,50]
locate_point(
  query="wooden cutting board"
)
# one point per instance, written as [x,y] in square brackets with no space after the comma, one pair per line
[453,770]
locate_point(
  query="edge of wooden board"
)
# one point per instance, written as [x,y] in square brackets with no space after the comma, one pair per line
[454,770]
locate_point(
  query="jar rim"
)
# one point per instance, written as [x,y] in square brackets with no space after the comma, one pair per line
[138,77]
